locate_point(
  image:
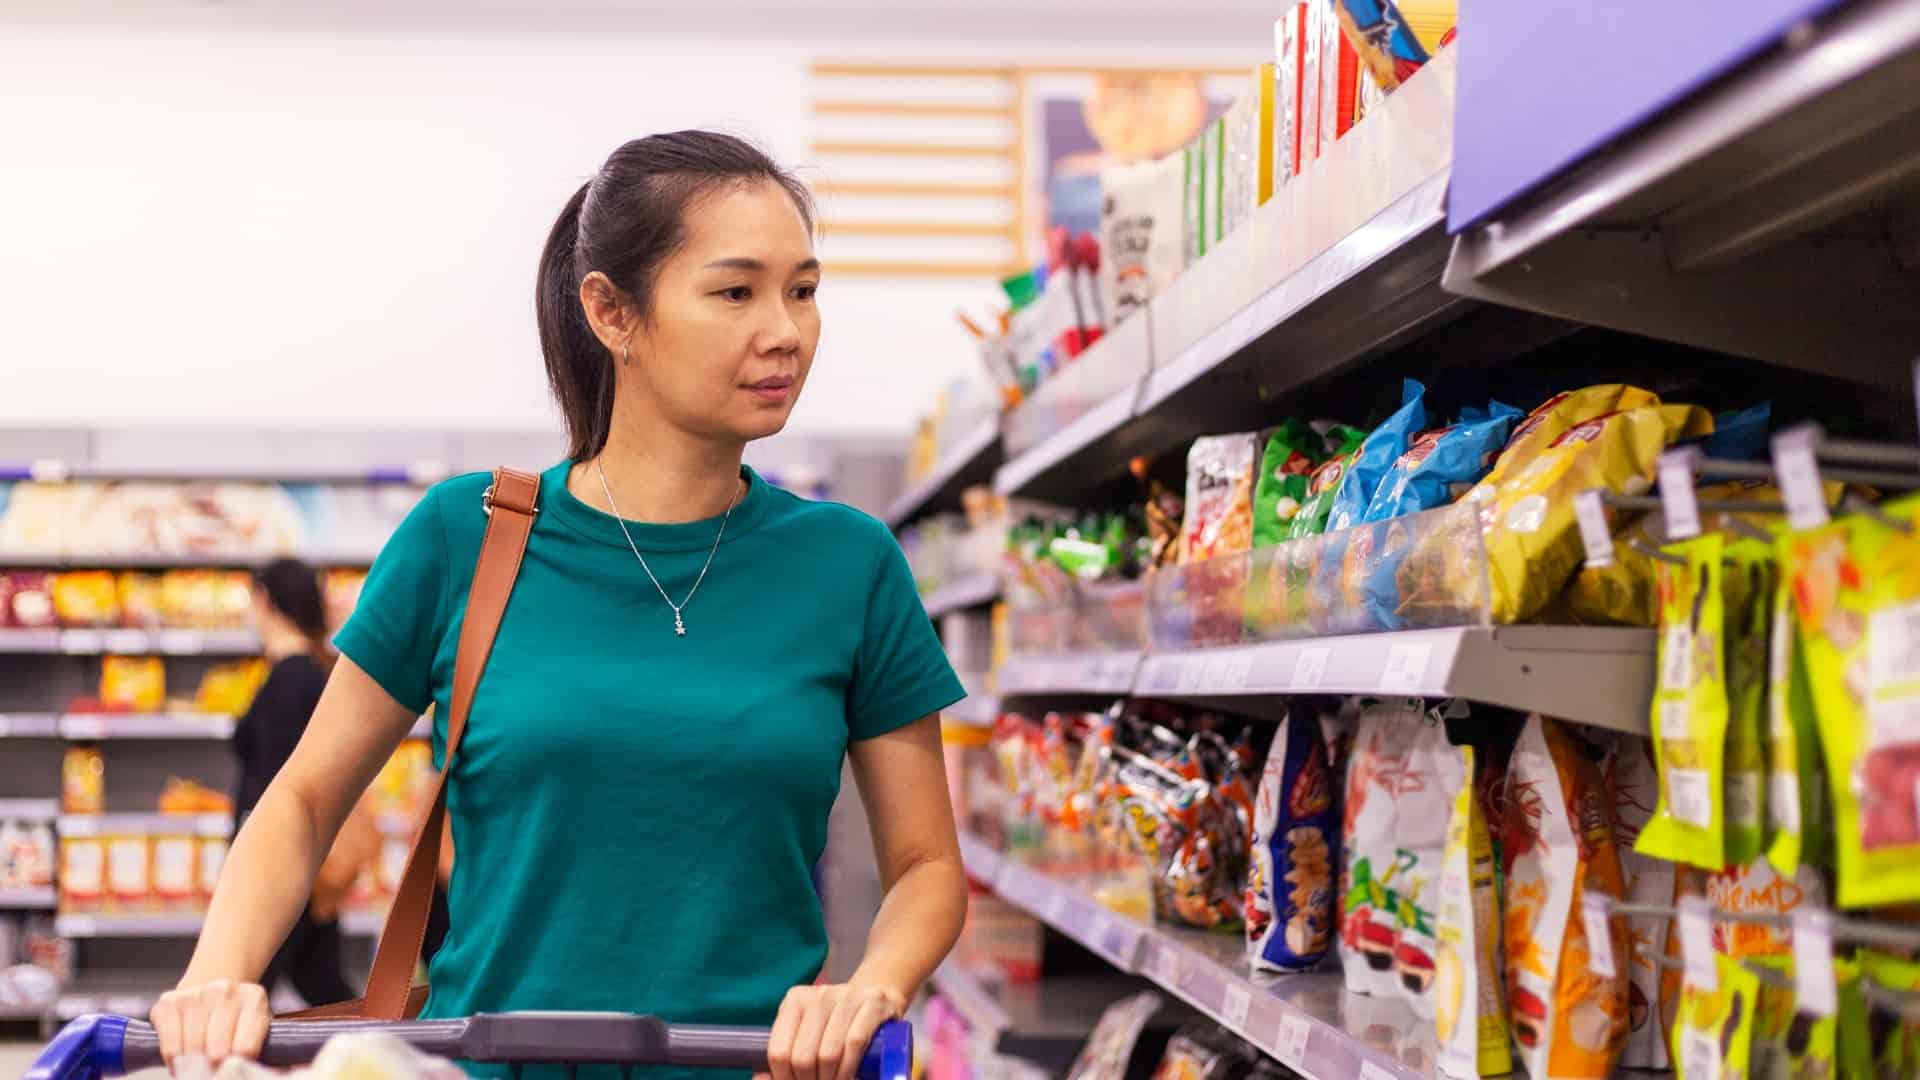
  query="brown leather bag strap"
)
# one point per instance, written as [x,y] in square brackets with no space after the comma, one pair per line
[510,503]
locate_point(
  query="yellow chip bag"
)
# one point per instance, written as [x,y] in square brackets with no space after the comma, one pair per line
[1556,416]
[1690,711]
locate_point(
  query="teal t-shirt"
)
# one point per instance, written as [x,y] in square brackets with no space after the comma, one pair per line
[636,815]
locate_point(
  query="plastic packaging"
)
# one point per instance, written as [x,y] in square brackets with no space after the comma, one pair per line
[1799,807]
[1634,782]
[1369,893]
[1385,38]
[1469,992]
[1714,1037]
[1140,233]
[1750,578]
[83,781]
[1292,452]
[1422,811]
[1378,452]
[1442,464]
[1342,443]
[1290,881]
[1219,498]
[1690,710]
[134,683]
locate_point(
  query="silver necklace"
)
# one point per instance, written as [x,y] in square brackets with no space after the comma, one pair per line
[679,624]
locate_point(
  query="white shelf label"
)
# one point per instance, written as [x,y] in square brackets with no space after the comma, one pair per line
[1593,911]
[1213,676]
[1813,986]
[125,642]
[1678,500]
[1239,667]
[1406,668]
[77,926]
[1055,907]
[82,642]
[1798,473]
[1166,966]
[1234,1009]
[1290,1045]
[181,643]
[1309,669]
[84,727]
[1190,672]
[1696,944]
[1591,515]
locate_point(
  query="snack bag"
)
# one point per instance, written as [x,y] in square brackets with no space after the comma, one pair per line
[1342,444]
[1422,809]
[1787,1043]
[1798,803]
[1469,1002]
[1856,586]
[1757,888]
[86,598]
[1292,453]
[1115,1039]
[1634,782]
[1385,38]
[1714,1037]
[1202,1050]
[1894,1039]
[1219,498]
[1290,881]
[1369,893]
[1378,451]
[1567,1020]
[1749,579]
[134,683]
[1690,711]
[1141,243]
[140,603]
[1553,418]
[1442,464]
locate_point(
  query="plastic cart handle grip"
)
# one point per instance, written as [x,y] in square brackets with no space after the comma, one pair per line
[97,1046]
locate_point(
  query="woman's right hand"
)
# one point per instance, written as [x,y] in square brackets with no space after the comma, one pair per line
[215,1020]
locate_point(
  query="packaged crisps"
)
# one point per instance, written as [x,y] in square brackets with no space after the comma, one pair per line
[1749,579]
[83,781]
[1289,895]
[1368,887]
[1893,1038]
[1219,498]
[1787,1042]
[1141,246]
[1758,889]
[1469,1000]
[1714,1037]
[1113,1050]
[140,602]
[1342,444]
[1856,585]
[1202,1050]
[1553,418]
[1798,804]
[29,599]
[86,598]
[133,683]
[1567,1020]
[1634,782]
[1690,710]
[1442,464]
[1853,1044]
[1422,808]
[1378,451]
[1292,452]
[1385,38]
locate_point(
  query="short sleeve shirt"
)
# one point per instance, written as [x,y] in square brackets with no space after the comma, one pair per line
[636,814]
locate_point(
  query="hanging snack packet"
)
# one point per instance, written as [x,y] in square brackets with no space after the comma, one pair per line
[1798,804]
[1381,448]
[1422,809]
[1292,452]
[1756,888]
[1749,579]
[1342,443]
[1634,782]
[1469,1000]
[1788,1043]
[1568,1020]
[1442,464]
[1368,887]
[1714,1037]
[1856,585]
[1219,498]
[1690,710]
[1894,1037]
[1290,880]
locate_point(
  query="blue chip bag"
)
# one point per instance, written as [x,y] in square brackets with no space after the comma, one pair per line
[1296,851]
[1440,465]
[1740,436]
[1382,447]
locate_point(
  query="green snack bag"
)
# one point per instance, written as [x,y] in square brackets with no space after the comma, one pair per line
[1690,710]
[1714,1036]
[1856,586]
[1853,1046]
[1343,443]
[1788,1042]
[1292,452]
[1894,1040]
[1798,806]
[1748,579]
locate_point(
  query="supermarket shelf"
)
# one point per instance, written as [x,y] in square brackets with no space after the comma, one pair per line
[29,725]
[16,640]
[29,810]
[137,824]
[134,642]
[971,591]
[972,998]
[92,726]
[128,926]
[1763,216]
[1551,669]
[1069,673]
[25,899]
[968,462]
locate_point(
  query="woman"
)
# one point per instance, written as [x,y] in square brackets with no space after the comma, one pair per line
[291,619]
[688,658]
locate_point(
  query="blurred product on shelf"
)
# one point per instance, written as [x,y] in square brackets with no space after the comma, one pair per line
[26,600]
[398,798]
[1143,248]
[227,689]
[133,683]
[83,781]
[341,589]
[958,411]
[1000,940]
[1127,1043]
[182,796]
[942,549]
[1396,39]
[1203,1050]
[35,962]
[1296,847]
[27,854]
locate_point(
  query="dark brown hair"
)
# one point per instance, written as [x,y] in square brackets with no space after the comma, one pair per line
[626,222]
[292,588]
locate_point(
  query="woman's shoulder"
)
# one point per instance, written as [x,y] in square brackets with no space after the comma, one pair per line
[838,519]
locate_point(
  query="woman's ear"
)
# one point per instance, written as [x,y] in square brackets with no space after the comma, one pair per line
[608,311]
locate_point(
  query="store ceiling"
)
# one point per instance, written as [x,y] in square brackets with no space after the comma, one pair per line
[1056,23]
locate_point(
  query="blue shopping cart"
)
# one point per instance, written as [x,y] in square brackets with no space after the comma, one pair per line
[98,1046]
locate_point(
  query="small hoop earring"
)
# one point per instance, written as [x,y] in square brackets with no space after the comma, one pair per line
[626,359]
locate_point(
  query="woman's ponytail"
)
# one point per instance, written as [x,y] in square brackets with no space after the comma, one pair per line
[578,367]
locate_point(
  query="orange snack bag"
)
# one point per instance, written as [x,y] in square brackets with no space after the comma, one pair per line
[86,598]
[136,683]
[83,781]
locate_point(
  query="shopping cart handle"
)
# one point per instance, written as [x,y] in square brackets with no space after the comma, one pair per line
[97,1046]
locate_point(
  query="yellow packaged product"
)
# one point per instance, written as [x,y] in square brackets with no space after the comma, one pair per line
[140,599]
[1553,418]
[1714,1038]
[134,683]
[83,781]
[83,873]
[1690,710]
[1469,993]
[189,598]
[229,688]
[1750,577]
[129,871]
[86,598]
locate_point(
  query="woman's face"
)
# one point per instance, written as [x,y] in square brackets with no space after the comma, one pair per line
[730,339]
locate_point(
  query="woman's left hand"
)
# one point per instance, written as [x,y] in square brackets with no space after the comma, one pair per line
[822,1032]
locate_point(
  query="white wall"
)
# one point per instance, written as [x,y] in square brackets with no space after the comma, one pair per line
[211,226]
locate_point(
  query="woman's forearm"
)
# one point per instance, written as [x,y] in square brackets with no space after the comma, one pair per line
[263,888]
[919,921]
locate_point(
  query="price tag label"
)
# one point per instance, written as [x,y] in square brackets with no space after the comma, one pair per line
[1594,909]
[1166,967]
[181,643]
[1591,515]
[1309,669]
[83,727]
[1239,667]
[1213,677]
[82,642]
[1054,904]
[1677,498]
[1798,471]
[1290,1044]
[1234,1008]
[1406,668]
[77,926]
[1813,986]
[1190,672]
[125,642]
[1696,944]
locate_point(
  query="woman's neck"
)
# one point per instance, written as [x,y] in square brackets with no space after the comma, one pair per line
[664,478]
[280,639]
